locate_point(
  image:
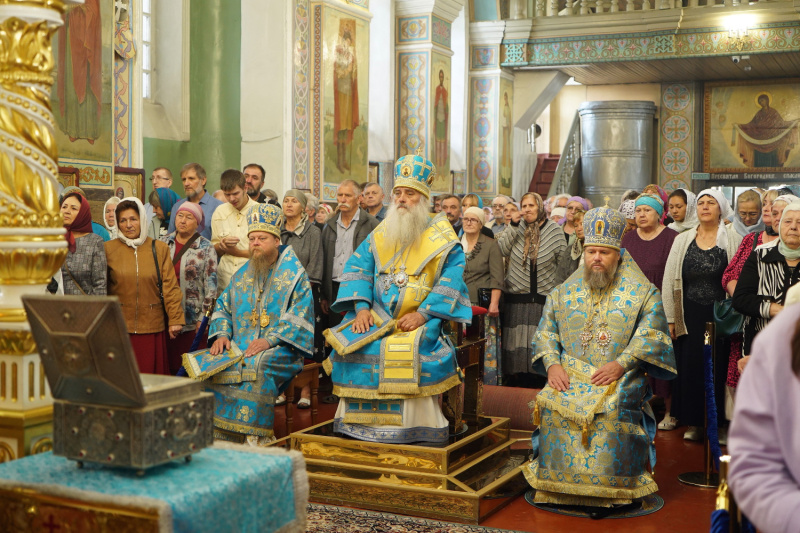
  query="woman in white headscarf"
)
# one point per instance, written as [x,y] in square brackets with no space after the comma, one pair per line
[692,283]
[682,205]
[110,216]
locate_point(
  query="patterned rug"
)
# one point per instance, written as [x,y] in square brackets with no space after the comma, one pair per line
[650,504]
[333,519]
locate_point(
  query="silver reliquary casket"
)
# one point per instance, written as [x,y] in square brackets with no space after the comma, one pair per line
[105,411]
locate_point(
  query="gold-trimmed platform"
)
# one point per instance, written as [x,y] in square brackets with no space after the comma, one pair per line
[466,481]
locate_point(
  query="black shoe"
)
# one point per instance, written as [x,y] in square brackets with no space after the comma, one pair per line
[332,398]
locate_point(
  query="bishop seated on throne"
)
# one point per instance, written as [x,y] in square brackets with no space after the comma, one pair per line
[390,358]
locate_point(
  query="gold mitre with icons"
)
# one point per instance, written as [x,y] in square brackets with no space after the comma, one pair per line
[603,226]
[265,217]
[415,172]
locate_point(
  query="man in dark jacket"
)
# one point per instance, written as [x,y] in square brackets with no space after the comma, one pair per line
[341,236]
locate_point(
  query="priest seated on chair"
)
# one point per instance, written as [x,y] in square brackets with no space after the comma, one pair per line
[390,359]
[602,332]
[261,329]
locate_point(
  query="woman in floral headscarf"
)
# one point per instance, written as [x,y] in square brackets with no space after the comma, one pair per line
[162,200]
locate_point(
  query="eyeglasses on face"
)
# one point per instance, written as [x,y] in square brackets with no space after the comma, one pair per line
[470,220]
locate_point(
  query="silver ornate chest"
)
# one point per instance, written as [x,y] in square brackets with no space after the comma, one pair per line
[104,410]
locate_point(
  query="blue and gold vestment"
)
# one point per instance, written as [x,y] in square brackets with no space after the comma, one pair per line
[594,442]
[245,392]
[376,372]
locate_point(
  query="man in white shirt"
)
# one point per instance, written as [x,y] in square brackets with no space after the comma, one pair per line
[229,226]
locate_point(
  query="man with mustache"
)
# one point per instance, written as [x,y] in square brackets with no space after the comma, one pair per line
[341,236]
[266,313]
[390,359]
[193,177]
[602,332]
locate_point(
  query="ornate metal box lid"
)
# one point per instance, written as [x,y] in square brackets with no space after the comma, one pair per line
[85,349]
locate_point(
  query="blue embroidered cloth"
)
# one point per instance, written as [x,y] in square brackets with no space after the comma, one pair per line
[220,490]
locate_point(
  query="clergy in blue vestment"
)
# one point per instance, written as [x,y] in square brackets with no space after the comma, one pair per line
[262,328]
[602,333]
[390,358]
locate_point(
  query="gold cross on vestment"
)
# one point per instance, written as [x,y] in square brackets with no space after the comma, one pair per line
[283,279]
[372,370]
[437,233]
[419,288]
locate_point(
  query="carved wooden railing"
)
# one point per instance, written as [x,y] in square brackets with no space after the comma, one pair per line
[568,168]
[555,8]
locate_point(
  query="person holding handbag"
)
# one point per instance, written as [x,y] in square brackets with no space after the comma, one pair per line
[195,262]
[692,283]
[141,275]
[84,269]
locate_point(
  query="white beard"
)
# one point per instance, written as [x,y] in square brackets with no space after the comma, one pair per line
[405,226]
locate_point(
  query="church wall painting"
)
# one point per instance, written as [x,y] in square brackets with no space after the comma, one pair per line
[483,135]
[82,96]
[412,68]
[345,100]
[505,132]
[752,128]
[677,135]
[439,149]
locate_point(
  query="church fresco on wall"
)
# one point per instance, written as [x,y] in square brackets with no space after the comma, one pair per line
[439,149]
[345,100]
[82,95]
[505,133]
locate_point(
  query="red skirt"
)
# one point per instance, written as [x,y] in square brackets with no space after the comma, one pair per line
[151,352]
[180,345]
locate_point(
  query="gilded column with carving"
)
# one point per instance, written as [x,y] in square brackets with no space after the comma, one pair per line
[32,244]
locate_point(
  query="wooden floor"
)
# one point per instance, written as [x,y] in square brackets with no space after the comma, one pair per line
[686,509]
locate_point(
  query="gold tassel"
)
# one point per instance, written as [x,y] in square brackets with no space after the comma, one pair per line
[585,435]
[537,416]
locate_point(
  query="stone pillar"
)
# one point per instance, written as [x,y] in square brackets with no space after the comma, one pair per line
[491,100]
[32,245]
[423,49]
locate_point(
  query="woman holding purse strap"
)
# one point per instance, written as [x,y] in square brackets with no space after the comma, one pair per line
[136,263]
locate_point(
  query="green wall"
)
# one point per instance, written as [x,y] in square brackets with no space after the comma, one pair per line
[215,139]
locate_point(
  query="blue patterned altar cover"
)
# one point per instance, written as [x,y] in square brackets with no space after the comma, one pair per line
[594,442]
[220,490]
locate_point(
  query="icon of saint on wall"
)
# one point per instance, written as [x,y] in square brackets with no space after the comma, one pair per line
[441,110]
[345,93]
[767,139]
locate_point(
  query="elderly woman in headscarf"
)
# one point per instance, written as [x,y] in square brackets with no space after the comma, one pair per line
[110,216]
[162,200]
[692,283]
[195,262]
[135,264]
[305,238]
[772,204]
[84,269]
[484,275]
[766,277]
[748,216]
[532,245]
[628,210]
[573,204]
[658,192]
[682,205]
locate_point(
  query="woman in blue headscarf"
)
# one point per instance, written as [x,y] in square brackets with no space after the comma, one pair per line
[162,200]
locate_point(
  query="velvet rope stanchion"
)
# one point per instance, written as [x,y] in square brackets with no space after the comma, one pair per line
[707,478]
[712,432]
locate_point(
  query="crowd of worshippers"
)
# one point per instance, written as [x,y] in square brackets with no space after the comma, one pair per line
[170,259]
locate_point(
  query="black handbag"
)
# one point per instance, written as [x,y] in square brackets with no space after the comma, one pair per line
[728,320]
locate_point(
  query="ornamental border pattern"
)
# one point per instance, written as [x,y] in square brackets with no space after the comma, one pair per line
[412,101]
[766,38]
[676,135]
[317,109]
[441,31]
[300,96]
[413,29]
[483,120]
[484,57]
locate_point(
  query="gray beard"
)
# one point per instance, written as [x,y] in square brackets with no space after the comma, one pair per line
[403,227]
[599,280]
[261,265]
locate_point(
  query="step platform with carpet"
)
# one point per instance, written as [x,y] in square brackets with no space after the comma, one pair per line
[467,480]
